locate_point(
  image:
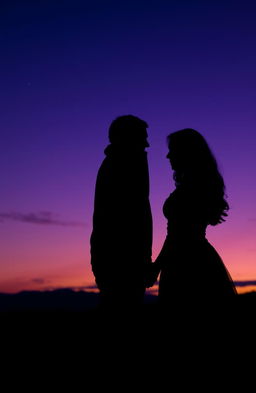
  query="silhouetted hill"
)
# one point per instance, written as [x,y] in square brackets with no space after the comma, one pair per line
[57,300]
[68,300]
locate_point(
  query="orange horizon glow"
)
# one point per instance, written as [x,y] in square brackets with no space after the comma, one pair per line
[76,282]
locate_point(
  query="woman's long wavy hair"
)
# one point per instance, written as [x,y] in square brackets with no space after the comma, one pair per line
[195,166]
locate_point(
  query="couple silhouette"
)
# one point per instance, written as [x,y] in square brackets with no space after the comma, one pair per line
[191,271]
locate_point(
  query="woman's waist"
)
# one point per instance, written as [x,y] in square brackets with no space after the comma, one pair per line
[193,235]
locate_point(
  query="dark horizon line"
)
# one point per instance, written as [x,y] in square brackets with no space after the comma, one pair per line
[90,288]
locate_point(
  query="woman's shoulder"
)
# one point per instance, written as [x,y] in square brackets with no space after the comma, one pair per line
[172,203]
[184,200]
[180,194]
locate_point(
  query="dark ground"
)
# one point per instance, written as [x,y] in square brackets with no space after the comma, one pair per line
[73,322]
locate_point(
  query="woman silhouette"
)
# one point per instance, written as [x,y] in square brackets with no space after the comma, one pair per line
[192,272]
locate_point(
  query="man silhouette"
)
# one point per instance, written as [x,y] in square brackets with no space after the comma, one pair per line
[121,240]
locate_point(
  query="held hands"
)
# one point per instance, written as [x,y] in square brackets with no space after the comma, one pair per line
[152,273]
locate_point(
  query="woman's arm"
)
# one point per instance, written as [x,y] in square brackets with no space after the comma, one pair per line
[156,266]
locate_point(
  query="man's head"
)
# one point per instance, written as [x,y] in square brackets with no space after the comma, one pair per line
[129,131]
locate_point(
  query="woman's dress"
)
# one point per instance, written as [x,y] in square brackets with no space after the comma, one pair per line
[191,269]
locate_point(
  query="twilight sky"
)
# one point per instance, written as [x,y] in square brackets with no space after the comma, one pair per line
[68,68]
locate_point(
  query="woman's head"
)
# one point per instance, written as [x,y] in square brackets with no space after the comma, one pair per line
[188,149]
[194,165]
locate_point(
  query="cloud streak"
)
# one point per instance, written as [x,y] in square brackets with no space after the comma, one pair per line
[39,218]
[39,281]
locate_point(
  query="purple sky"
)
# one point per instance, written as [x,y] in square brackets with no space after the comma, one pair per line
[68,68]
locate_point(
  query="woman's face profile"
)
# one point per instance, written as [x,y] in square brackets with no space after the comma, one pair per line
[177,157]
[171,157]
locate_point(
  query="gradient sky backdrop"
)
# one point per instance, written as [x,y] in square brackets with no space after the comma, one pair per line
[68,68]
